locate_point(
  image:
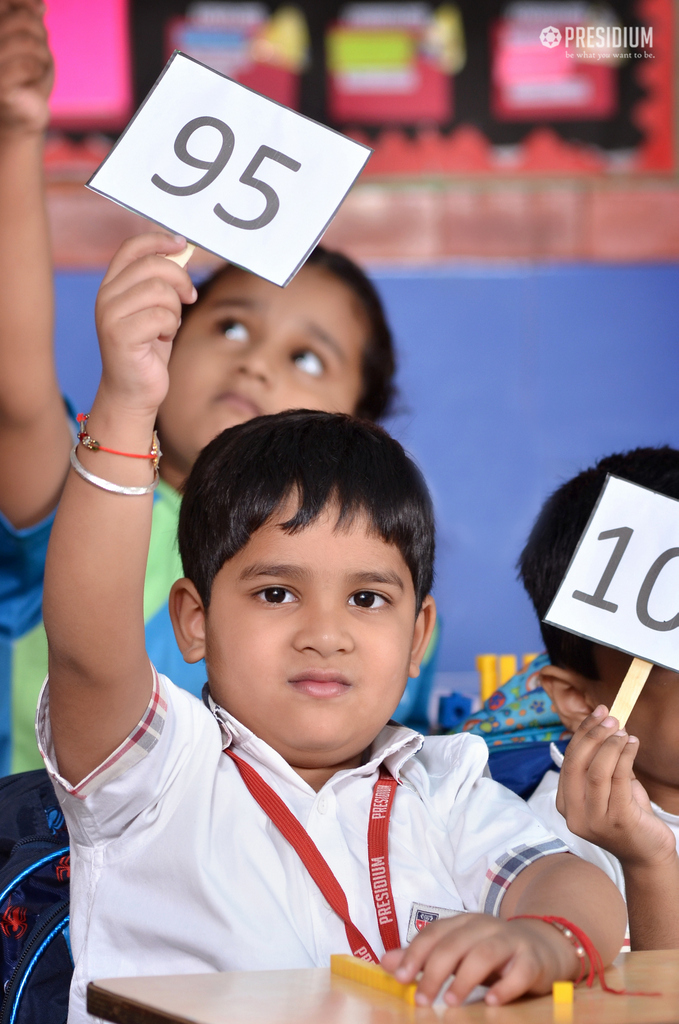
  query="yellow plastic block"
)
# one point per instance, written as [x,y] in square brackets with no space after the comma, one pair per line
[486,666]
[371,974]
[527,658]
[506,668]
[562,992]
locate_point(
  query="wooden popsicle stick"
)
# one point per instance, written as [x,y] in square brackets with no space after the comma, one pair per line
[630,688]
[183,257]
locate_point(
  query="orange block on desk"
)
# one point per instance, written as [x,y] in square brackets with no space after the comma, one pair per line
[371,974]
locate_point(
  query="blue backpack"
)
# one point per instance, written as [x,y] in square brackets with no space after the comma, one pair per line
[34,902]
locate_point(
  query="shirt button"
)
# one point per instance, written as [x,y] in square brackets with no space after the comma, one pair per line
[322,805]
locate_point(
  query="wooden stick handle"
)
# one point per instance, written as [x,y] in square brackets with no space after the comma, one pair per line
[183,257]
[630,688]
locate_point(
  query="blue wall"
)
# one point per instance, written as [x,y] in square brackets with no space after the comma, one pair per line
[512,379]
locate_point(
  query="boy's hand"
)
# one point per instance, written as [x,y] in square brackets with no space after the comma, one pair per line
[514,957]
[602,801]
[138,313]
[26,68]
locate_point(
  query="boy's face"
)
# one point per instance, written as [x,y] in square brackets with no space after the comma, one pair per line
[309,637]
[250,348]
[654,719]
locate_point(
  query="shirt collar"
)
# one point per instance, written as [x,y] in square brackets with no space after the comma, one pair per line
[393,746]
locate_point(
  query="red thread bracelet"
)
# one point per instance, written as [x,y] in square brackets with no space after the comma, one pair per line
[583,947]
[94,446]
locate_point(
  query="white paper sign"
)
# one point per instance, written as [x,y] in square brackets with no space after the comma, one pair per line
[622,586]
[232,171]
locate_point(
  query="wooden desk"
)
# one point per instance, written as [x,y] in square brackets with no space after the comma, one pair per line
[314,997]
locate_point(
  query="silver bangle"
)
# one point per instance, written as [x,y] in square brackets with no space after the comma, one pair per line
[107,485]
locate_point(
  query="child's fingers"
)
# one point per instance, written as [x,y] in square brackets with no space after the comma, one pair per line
[599,777]
[624,770]
[485,958]
[571,788]
[519,976]
[24,60]
[151,243]
[623,774]
[22,19]
[149,324]
[393,959]
[144,271]
[154,292]
[22,33]
[413,957]
[581,750]
[588,726]
[471,954]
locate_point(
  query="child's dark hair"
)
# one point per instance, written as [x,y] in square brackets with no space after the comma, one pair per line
[379,361]
[249,471]
[558,528]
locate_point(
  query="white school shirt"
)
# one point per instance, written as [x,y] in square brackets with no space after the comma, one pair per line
[175,869]
[543,802]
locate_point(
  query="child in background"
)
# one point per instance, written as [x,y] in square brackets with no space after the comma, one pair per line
[616,801]
[245,348]
[307,540]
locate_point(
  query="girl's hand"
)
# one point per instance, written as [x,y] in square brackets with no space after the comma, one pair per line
[26,68]
[602,801]
[138,313]
[513,957]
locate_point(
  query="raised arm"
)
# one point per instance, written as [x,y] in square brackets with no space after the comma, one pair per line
[34,434]
[99,673]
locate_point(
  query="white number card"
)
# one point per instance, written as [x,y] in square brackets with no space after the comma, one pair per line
[622,586]
[232,171]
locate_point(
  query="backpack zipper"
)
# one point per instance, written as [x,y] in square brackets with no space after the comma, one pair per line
[54,924]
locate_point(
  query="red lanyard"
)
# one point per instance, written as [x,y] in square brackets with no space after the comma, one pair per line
[313,860]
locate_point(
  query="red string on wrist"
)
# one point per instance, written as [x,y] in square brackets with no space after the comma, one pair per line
[95,446]
[596,964]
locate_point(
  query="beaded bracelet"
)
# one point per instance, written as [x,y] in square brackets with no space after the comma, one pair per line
[94,446]
[584,947]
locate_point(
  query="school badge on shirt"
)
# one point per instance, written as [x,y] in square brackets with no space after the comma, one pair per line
[421,914]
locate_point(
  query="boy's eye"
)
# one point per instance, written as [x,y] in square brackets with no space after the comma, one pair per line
[234,330]
[276,595]
[366,599]
[309,363]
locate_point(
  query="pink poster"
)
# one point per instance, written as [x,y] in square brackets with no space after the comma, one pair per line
[90,42]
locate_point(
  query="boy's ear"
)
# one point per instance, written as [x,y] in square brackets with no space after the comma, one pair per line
[424,627]
[568,692]
[188,620]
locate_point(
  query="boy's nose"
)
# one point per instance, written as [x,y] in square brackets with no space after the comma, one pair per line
[323,634]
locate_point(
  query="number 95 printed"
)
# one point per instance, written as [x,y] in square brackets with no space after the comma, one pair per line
[622,586]
[270,182]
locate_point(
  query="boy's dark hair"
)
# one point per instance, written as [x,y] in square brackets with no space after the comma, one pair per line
[248,471]
[379,361]
[558,528]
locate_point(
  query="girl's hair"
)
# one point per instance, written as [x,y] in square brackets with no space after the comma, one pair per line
[379,362]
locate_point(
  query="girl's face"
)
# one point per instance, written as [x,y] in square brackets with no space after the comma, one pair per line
[250,348]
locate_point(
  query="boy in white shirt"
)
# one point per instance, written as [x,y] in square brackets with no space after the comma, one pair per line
[616,801]
[307,541]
